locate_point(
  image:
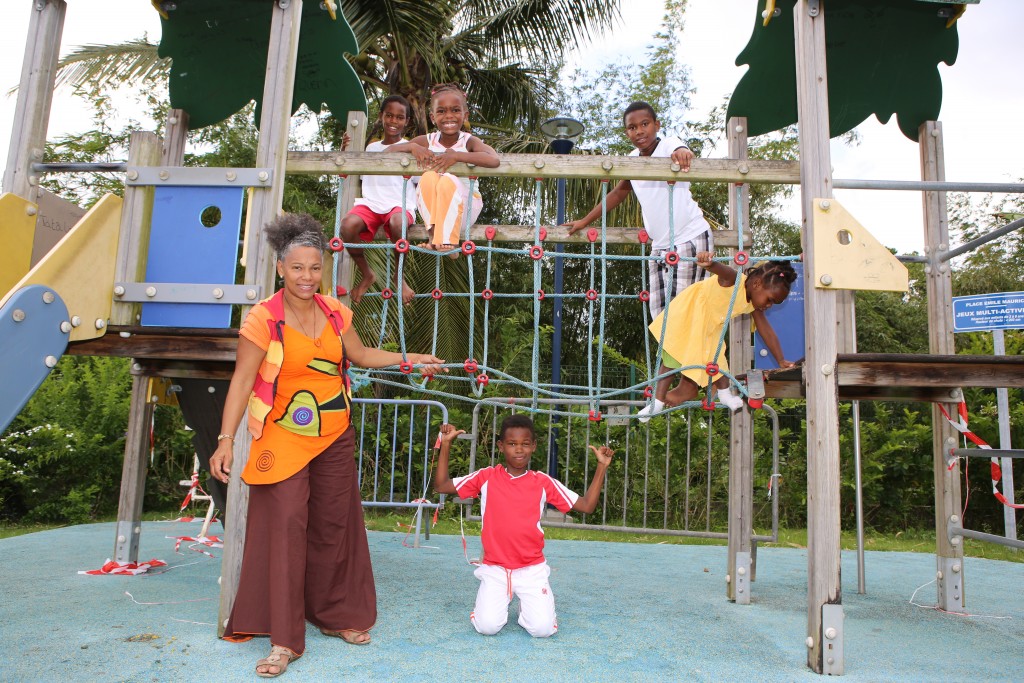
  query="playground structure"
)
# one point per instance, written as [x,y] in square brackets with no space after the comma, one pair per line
[116,248]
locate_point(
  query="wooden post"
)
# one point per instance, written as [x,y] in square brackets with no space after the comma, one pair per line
[346,274]
[133,472]
[741,433]
[949,557]
[136,218]
[259,269]
[35,95]
[824,597]
[175,137]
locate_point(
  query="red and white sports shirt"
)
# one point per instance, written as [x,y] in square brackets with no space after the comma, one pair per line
[511,508]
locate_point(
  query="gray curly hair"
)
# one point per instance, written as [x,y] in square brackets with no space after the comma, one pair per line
[291,230]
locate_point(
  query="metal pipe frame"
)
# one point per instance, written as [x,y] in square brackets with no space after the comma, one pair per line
[984,239]
[987,453]
[990,538]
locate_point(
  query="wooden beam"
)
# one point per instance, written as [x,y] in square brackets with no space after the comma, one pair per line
[554,166]
[739,565]
[35,95]
[939,286]
[346,273]
[133,472]
[159,347]
[144,149]
[824,655]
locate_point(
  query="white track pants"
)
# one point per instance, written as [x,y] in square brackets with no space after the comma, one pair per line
[497,588]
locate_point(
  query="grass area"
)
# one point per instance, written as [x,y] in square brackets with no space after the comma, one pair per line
[914,541]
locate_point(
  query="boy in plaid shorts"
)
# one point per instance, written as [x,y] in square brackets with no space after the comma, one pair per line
[689,233]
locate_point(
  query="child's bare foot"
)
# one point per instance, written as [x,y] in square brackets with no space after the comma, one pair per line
[363,287]
[453,248]
[407,294]
[676,396]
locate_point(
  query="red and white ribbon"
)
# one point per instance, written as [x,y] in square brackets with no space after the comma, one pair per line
[996,471]
[113,567]
[193,541]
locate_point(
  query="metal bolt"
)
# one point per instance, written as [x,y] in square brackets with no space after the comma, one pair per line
[125,335]
[825,204]
[212,389]
[150,291]
[138,530]
[809,642]
[831,633]
[831,660]
[218,293]
[50,361]
[263,176]
[164,175]
[539,163]
[954,393]
[31,211]
[354,123]
[136,367]
[100,323]
[48,297]
[172,120]
[954,519]
[928,270]
[338,161]
[938,575]
[741,571]
[606,165]
[743,169]
[33,180]
[231,176]
[121,539]
[935,132]
[18,315]
[132,175]
[739,590]
[676,168]
[119,291]
[728,578]
[65,327]
[75,321]
[405,162]
[738,129]
[250,294]
[764,353]
[826,369]
[956,568]
[955,541]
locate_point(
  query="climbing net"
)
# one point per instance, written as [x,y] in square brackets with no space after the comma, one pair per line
[477,372]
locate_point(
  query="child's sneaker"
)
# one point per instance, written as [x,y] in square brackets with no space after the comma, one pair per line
[729,399]
[651,408]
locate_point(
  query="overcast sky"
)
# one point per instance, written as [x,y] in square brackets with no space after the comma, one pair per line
[981,108]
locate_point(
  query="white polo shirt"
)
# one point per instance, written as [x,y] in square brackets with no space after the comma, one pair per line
[654,200]
[382,193]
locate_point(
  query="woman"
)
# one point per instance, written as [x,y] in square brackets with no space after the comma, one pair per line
[306,555]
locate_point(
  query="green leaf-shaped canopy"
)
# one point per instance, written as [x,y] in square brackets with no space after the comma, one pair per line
[882,59]
[219,53]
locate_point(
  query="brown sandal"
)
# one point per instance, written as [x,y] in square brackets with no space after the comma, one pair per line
[349,635]
[280,657]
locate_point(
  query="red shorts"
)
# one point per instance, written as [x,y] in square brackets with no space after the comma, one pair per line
[374,221]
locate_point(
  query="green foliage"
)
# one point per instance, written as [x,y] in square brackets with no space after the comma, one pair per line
[60,460]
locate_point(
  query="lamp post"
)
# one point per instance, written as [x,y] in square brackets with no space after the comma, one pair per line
[561,133]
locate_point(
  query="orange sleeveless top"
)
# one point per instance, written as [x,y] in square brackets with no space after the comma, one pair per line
[311,407]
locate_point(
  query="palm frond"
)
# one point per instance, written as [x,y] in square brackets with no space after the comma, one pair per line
[100,66]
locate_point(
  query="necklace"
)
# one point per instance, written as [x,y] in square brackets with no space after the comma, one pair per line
[316,340]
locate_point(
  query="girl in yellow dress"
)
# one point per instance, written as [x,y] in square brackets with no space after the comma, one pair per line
[695,321]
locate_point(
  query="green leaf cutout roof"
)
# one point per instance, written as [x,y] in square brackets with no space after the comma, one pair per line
[882,59]
[219,53]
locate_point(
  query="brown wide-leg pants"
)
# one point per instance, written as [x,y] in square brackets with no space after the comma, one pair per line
[306,554]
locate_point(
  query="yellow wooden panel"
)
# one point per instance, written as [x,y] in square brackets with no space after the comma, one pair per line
[160,392]
[81,268]
[17,228]
[847,256]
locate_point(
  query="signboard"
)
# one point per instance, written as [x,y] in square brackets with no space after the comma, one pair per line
[56,217]
[982,312]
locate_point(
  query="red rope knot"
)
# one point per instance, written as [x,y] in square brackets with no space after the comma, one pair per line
[707,405]
[671,258]
[711,369]
[468,248]
[482,379]
[336,244]
[386,293]
[490,231]
[591,295]
[405,367]
[540,295]
[643,236]
[536,252]
[594,416]
[592,234]
[644,295]
[741,258]
[470,366]
[402,246]
[437,294]
[755,403]
[648,392]
[487,294]
[543,233]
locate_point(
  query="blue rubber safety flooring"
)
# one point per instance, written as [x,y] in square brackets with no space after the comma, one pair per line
[626,612]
